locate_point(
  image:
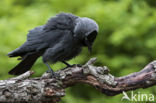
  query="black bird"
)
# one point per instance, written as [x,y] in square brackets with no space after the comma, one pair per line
[60,39]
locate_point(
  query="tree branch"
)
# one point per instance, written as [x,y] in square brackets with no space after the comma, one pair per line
[45,89]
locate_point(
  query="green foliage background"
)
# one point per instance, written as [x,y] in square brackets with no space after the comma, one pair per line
[126,40]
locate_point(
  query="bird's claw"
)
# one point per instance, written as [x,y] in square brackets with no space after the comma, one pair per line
[78,65]
[53,74]
[74,65]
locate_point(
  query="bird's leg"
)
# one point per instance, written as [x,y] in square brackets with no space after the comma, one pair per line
[53,74]
[68,65]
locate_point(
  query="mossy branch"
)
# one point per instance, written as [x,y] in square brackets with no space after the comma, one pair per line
[45,89]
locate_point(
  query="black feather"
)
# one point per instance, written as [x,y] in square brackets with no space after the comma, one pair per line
[25,64]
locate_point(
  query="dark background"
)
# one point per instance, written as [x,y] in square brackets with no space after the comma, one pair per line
[126,40]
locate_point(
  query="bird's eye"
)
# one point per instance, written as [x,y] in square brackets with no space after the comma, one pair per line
[91,37]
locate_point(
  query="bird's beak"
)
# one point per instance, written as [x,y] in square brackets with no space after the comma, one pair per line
[88,45]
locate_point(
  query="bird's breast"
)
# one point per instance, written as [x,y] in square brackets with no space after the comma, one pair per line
[72,52]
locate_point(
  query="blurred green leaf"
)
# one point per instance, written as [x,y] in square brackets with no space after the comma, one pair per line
[125,43]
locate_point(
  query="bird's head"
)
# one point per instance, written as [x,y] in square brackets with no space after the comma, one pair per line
[86,31]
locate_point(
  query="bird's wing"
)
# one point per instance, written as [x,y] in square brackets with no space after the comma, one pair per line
[52,31]
[62,21]
[36,38]
[47,35]
[34,42]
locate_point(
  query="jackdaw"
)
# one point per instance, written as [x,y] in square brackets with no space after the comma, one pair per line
[60,39]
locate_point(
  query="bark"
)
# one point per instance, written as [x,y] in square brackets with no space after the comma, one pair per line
[45,89]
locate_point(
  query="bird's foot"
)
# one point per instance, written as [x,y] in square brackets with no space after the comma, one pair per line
[53,74]
[74,65]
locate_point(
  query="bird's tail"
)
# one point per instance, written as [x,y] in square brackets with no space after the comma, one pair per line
[25,64]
